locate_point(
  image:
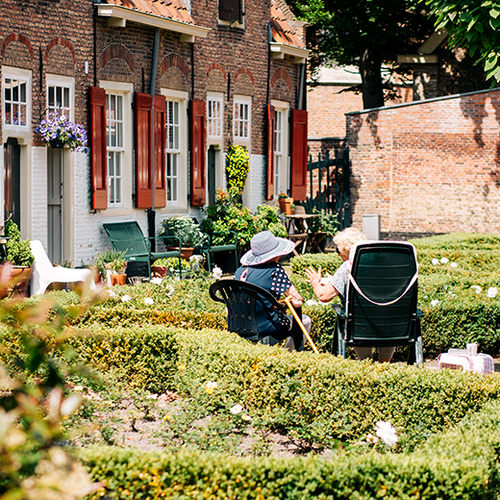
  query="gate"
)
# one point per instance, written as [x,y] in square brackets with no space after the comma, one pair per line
[330,186]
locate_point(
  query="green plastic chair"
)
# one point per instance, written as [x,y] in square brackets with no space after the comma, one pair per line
[128,237]
[381,306]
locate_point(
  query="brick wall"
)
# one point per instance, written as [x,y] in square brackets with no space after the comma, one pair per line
[428,167]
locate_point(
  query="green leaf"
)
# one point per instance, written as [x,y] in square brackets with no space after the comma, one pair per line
[491,62]
[494,13]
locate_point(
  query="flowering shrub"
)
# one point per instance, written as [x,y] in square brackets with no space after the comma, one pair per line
[59,127]
[237,166]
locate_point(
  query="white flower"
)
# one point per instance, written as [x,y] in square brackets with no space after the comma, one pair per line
[453,264]
[492,292]
[236,409]
[152,396]
[149,301]
[386,432]
[435,262]
[370,438]
[78,388]
[170,289]
[210,386]
[111,293]
[434,302]
[444,260]
[246,417]
[311,302]
[196,258]
[156,280]
[70,405]
[217,273]
[477,288]
[126,298]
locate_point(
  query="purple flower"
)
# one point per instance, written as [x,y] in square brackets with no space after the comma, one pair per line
[59,127]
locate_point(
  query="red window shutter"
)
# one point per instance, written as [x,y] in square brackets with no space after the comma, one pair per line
[271,126]
[198,141]
[143,146]
[299,155]
[98,145]
[160,119]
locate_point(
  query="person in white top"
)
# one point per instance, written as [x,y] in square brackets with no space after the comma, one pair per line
[327,288]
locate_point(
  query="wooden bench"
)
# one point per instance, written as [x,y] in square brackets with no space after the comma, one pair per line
[128,237]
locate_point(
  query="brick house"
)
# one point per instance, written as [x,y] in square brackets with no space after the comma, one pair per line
[162,88]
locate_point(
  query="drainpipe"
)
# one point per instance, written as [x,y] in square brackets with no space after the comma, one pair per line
[151,211]
[300,97]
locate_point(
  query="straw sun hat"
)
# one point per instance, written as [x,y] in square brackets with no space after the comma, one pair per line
[264,246]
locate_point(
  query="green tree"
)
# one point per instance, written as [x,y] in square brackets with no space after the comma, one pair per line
[366,34]
[472,25]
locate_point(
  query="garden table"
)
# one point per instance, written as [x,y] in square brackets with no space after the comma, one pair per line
[299,230]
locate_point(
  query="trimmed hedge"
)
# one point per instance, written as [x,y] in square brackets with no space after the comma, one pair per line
[320,398]
[145,358]
[461,464]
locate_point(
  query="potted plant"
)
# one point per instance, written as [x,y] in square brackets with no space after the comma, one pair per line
[187,230]
[164,267]
[111,265]
[19,255]
[285,204]
[58,131]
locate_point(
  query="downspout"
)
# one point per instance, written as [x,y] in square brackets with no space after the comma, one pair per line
[300,98]
[152,87]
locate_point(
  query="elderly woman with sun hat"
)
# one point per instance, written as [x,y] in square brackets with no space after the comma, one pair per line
[260,266]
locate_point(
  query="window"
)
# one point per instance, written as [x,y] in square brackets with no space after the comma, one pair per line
[115,148]
[59,99]
[214,117]
[173,151]
[242,119]
[16,98]
[279,161]
[231,11]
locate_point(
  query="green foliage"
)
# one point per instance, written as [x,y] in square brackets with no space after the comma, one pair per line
[186,229]
[173,263]
[227,216]
[322,399]
[111,260]
[329,263]
[237,166]
[325,223]
[365,34]
[18,250]
[473,26]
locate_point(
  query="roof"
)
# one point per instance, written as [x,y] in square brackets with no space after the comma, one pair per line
[175,10]
[172,15]
[282,30]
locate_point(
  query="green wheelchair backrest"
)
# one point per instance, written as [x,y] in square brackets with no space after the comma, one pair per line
[382,294]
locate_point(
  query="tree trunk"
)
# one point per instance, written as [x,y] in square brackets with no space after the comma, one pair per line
[371,78]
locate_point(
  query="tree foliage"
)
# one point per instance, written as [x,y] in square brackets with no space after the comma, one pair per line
[366,34]
[472,25]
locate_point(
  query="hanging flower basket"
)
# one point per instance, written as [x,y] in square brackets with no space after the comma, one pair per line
[59,128]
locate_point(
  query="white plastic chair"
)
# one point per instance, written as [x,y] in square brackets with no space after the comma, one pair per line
[43,273]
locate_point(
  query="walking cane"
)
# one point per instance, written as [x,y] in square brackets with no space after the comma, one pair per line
[299,322]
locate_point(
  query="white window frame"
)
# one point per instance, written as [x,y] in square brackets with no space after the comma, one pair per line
[281,147]
[179,151]
[245,123]
[115,147]
[22,132]
[62,82]
[125,205]
[215,117]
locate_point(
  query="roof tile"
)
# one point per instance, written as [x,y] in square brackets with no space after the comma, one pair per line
[282,30]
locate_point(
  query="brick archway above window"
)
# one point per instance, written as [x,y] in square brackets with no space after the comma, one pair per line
[117,51]
[218,67]
[64,43]
[16,37]
[177,61]
[281,74]
[244,71]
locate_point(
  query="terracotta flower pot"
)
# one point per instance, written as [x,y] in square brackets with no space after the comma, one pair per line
[159,271]
[118,279]
[186,252]
[285,205]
